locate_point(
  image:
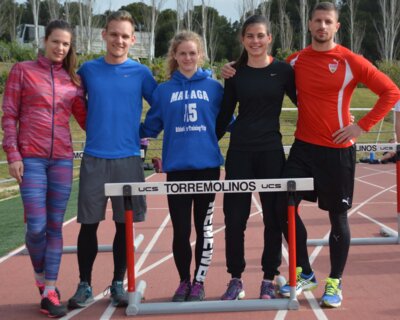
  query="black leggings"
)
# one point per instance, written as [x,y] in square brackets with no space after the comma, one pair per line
[237,206]
[88,247]
[180,207]
[339,240]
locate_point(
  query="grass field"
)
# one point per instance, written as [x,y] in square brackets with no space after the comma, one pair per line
[11,217]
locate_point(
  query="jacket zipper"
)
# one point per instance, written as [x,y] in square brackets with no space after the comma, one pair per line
[53,112]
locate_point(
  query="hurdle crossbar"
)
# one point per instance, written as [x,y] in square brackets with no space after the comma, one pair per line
[100,248]
[135,294]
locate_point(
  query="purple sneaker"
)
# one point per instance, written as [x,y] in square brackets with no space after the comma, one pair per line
[235,290]
[267,290]
[196,292]
[182,292]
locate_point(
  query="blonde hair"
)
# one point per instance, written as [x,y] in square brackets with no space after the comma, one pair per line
[180,37]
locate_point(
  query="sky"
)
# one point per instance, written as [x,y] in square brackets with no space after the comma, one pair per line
[227,8]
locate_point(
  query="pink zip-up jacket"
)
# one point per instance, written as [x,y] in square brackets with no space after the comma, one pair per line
[39,99]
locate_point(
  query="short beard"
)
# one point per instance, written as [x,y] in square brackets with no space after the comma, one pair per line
[316,39]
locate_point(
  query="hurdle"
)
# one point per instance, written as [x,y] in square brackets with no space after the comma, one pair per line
[387,236]
[136,293]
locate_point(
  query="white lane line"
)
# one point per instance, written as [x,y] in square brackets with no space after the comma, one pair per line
[312,258]
[376,222]
[281,314]
[111,309]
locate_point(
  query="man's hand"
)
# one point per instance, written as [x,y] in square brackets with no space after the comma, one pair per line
[16,170]
[227,71]
[346,134]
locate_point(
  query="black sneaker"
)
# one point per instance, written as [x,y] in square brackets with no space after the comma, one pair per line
[51,305]
[119,297]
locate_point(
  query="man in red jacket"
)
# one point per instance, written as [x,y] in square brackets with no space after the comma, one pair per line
[326,76]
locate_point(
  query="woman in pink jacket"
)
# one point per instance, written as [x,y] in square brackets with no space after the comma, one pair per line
[39,98]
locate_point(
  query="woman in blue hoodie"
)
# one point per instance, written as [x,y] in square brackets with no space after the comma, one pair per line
[186,108]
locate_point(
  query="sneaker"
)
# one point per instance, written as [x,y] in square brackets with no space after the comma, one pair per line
[303,283]
[183,291]
[51,305]
[119,297]
[235,290]
[82,297]
[333,293]
[41,287]
[267,290]
[196,292]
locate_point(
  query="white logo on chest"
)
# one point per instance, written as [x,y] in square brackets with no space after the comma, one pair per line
[333,66]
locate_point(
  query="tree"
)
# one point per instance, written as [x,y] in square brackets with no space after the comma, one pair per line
[166,28]
[265,9]
[204,21]
[285,27]
[140,12]
[388,31]
[213,38]
[356,30]
[150,16]
[35,5]
[10,15]
[180,9]
[247,8]
[86,24]
[54,8]
[188,14]
[303,10]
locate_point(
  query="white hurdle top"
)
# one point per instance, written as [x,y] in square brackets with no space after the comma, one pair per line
[211,186]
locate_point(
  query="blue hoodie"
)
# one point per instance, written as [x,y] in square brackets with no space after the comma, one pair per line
[186,109]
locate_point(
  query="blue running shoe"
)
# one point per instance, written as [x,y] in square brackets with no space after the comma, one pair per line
[82,297]
[333,293]
[235,290]
[118,295]
[303,283]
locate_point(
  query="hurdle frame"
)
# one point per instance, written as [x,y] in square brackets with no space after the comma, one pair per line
[136,293]
[388,236]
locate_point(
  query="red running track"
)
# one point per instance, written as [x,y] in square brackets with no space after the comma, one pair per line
[370,284]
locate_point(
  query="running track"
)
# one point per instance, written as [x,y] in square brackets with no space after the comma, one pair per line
[371,283]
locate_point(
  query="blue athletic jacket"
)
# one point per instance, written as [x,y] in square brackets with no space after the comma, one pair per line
[186,109]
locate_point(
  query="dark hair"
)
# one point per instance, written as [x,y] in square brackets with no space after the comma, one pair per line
[120,15]
[180,37]
[70,61]
[254,19]
[325,6]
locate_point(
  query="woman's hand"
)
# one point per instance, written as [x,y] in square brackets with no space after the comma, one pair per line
[16,170]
